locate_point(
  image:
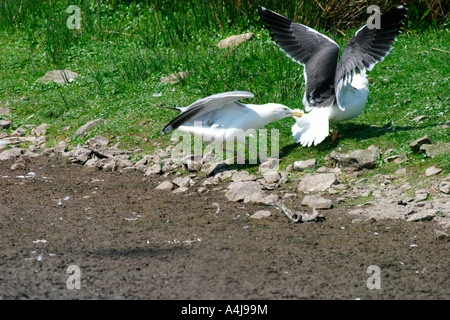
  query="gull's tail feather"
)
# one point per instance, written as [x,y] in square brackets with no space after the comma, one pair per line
[311,128]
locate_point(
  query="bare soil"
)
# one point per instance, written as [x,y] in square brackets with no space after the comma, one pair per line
[131,241]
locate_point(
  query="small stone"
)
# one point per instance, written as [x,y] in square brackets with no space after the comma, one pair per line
[441,235]
[238,191]
[165,185]
[422,216]
[181,190]
[261,214]
[400,172]
[272,176]
[316,201]
[433,150]
[40,130]
[193,166]
[415,145]
[357,159]
[183,182]
[431,171]
[317,182]
[97,142]
[174,77]
[59,76]
[418,118]
[154,169]
[86,127]
[233,41]
[306,164]
[5,111]
[444,187]
[11,154]
[269,165]
[421,196]
[241,176]
[5,124]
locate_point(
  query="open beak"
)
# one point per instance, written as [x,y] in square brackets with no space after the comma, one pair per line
[296,113]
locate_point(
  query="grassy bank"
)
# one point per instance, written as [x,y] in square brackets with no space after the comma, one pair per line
[123,49]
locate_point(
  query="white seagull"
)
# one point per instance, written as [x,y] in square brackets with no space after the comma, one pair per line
[221,118]
[333,91]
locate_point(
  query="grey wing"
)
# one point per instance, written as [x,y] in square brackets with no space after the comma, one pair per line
[204,108]
[368,47]
[313,50]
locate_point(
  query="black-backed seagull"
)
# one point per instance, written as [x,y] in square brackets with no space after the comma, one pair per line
[221,118]
[333,91]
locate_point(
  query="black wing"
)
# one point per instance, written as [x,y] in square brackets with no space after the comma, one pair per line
[369,46]
[313,50]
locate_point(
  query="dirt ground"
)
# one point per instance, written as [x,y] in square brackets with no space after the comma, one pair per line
[131,241]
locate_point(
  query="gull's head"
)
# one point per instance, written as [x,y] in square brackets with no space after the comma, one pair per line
[279,111]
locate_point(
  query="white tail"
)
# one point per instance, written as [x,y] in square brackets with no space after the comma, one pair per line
[311,128]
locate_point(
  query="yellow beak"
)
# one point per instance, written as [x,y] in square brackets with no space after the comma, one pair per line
[296,113]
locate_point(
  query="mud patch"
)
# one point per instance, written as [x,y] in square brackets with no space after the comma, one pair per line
[131,241]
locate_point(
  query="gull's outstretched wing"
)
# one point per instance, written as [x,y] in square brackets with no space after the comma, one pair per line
[368,47]
[206,109]
[313,50]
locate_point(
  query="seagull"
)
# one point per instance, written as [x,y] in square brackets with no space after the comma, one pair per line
[334,91]
[220,117]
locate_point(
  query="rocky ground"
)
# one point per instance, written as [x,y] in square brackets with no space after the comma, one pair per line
[194,229]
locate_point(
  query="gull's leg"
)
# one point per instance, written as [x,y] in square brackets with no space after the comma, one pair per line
[335,133]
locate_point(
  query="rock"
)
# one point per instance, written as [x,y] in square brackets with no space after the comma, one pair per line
[5,124]
[398,158]
[444,187]
[441,235]
[193,166]
[242,176]
[418,118]
[97,142]
[357,159]
[109,164]
[400,172]
[165,185]
[5,111]
[238,191]
[431,171]
[154,169]
[174,77]
[93,162]
[272,176]
[215,168]
[261,214]
[40,130]
[317,182]
[221,176]
[18,132]
[183,182]
[233,41]
[269,165]
[86,127]
[80,155]
[10,154]
[181,190]
[415,145]
[306,164]
[433,150]
[58,76]
[21,163]
[421,195]
[422,216]
[316,201]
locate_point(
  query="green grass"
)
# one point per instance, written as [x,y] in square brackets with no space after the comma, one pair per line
[122,51]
